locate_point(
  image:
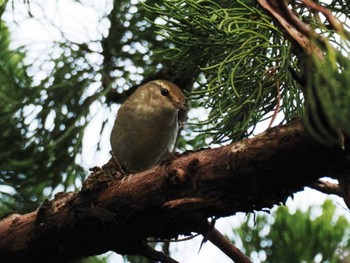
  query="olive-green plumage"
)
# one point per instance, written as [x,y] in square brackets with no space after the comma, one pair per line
[146,126]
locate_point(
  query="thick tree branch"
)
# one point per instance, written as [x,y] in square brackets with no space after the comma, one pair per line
[171,199]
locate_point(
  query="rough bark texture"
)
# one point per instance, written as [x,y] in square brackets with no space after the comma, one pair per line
[118,213]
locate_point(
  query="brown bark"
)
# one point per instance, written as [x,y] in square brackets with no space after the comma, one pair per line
[176,197]
[295,30]
[227,247]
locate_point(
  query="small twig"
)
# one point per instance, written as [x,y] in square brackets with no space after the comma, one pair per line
[327,187]
[295,30]
[117,164]
[294,20]
[149,252]
[335,24]
[270,72]
[278,106]
[210,233]
[226,246]
[166,248]
[172,240]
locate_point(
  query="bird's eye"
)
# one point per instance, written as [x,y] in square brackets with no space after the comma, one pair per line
[164,92]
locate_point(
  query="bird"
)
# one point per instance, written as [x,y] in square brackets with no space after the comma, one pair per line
[147,125]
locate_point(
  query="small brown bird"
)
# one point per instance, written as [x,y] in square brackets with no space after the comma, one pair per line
[147,124]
